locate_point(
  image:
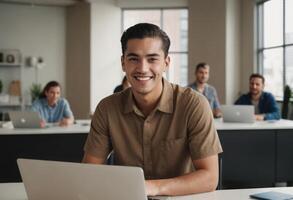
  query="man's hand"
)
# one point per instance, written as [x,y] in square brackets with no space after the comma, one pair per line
[42,123]
[259,117]
[66,122]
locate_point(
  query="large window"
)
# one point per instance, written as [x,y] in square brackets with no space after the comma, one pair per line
[275,44]
[175,23]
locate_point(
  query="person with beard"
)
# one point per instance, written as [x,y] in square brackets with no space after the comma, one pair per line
[265,105]
[202,72]
[165,129]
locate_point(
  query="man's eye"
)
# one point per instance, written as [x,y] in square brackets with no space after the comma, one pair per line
[153,59]
[133,59]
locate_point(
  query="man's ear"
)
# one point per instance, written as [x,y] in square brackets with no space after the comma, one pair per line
[122,63]
[167,63]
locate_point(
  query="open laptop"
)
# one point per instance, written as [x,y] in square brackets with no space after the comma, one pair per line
[238,113]
[25,119]
[54,180]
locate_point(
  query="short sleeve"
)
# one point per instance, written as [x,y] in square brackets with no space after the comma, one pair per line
[203,137]
[37,107]
[67,111]
[98,141]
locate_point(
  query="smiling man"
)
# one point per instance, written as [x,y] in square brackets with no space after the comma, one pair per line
[165,129]
[266,107]
[51,107]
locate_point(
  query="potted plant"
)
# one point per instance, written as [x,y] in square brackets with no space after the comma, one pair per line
[35,91]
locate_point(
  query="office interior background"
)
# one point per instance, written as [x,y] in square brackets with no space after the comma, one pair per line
[77,43]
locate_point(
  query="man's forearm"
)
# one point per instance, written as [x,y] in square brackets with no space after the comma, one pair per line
[195,182]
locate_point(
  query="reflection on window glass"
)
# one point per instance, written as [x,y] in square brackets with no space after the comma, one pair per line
[175,23]
[273,71]
[289,65]
[288,22]
[273,23]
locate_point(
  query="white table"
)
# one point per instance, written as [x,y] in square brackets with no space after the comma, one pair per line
[53,143]
[258,125]
[252,152]
[80,126]
[16,191]
[256,154]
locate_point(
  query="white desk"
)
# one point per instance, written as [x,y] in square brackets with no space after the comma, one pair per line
[258,125]
[53,143]
[81,126]
[256,154]
[16,191]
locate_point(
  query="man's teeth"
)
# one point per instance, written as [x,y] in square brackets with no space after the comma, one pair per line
[143,78]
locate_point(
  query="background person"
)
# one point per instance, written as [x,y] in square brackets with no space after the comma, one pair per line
[202,73]
[265,105]
[51,107]
[165,129]
[124,84]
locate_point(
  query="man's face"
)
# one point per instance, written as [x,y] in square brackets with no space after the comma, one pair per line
[202,74]
[53,94]
[256,86]
[144,63]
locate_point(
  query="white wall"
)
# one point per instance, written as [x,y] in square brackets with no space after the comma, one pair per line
[106,71]
[233,50]
[78,59]
[207,41]
[36,31]
[248,36]
[221,33]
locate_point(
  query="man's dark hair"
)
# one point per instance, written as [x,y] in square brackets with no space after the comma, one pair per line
[201,65]
[48,87]
[145,30]
[256,75]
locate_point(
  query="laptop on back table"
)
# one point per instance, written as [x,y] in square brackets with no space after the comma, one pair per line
[25,119]
[238,113]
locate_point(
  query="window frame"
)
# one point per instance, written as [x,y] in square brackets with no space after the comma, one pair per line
[260,41]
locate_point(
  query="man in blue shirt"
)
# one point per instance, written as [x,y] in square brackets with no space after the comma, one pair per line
[202,71]
[51,107]
[264,103]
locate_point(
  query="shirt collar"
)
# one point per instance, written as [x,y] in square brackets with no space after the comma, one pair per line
[204,87]
[165,103]
[45,101]
[260,98]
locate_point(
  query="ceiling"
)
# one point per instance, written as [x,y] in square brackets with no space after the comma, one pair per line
[42,2]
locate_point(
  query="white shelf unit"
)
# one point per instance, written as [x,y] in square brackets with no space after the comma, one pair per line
[8,73]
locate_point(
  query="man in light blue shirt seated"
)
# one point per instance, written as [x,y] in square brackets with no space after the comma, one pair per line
[265,105]
[51,107]
[202,72]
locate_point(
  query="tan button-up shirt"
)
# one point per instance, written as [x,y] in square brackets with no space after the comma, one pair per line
[180,129]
